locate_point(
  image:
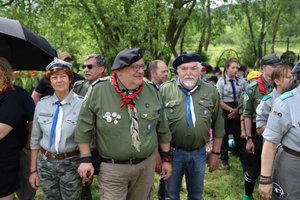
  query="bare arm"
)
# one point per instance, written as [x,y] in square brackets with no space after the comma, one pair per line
[4,130]
[214,159]
[267,158]
[166,171]
[36,96]
[34,178]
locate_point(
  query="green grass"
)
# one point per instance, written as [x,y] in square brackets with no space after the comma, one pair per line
[218,185]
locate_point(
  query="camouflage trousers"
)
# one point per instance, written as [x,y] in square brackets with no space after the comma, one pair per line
[59,178]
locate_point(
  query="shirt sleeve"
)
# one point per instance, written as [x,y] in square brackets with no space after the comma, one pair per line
[220,86]
[279,123]
[262,114]
[36,132]
[86,119]
[217,117]
[248,103]
[163,131]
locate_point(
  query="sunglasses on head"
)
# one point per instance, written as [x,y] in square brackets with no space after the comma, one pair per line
[88,66]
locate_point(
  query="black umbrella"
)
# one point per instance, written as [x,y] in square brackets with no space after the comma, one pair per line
[24,49]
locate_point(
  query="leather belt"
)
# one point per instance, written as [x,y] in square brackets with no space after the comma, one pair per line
[130,161]
[291,151]
[185,149]
[60,156]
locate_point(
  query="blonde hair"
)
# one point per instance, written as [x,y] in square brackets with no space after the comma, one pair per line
[5,72]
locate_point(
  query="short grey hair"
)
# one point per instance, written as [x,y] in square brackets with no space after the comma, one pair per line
[99,59]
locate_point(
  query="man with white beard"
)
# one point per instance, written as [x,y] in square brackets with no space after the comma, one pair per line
[192,108]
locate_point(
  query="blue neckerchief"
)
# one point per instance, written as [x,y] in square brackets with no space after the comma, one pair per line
[53,127]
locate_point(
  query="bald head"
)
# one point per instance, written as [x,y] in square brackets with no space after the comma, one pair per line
[158,70]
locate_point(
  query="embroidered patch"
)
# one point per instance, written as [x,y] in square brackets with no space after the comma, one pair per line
[149,126]
[278,191]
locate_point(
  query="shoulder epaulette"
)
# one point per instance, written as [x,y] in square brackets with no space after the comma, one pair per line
[45,97]
[147,81]
[78,83]
[169,81]
[265,98]
[99,80]
[286,95]
[254,83]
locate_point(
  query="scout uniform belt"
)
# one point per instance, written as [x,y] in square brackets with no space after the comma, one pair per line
[130,161]
[60,156]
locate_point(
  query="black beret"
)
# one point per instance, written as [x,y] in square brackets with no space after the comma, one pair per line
[185,58]
[270,59]
[242,68]
[58,64]
[126,58]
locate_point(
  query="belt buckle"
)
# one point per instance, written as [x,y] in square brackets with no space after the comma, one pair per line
[54,156]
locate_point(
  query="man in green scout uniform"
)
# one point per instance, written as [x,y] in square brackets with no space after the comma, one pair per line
[192,107]
[93,68]
[129,120]
[255,92]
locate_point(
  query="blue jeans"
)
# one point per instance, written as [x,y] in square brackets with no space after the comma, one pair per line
[192,165]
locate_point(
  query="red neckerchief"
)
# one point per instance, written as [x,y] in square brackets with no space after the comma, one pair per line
[7,87]
[261,86]
[126,99]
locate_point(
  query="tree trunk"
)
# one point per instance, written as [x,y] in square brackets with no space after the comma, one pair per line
[275,28]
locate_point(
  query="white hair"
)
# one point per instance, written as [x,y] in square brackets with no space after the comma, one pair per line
[199,65]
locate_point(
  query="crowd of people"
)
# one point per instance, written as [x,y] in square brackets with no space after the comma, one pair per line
[124,127]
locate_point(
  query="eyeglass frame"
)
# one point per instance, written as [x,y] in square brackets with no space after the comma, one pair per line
[89,66]
[137,67]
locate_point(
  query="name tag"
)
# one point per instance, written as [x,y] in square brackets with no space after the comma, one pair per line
[46,114]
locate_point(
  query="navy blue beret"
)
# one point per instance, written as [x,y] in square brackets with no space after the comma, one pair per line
[185,58]
[126,58]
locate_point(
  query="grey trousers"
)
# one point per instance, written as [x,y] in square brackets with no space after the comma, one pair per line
[286,176]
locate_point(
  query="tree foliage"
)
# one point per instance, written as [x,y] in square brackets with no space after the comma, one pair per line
[162,28]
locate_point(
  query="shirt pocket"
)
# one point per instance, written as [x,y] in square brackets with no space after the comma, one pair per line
[172,109]
[148,120]
[205,108]
[45,123]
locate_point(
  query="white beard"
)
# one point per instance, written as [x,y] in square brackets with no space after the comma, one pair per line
[189,83]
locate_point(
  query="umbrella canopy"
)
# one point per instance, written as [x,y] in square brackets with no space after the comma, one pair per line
[24,49]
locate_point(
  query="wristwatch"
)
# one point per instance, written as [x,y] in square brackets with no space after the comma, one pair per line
[248,137]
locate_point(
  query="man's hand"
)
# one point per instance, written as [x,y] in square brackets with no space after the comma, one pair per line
[213,162]
[250,146]
[158,162]
[86,171]
[233,114]
[265,191]
[34,180]
[166,170]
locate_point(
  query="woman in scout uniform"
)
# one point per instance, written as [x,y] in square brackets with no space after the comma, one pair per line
[230,89]
[55,155]
[282,128]
[281,77]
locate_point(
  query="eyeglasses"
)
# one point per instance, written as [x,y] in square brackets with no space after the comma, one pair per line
[88,66]
[138,67]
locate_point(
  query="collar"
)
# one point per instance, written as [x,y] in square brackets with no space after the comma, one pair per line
[68,98]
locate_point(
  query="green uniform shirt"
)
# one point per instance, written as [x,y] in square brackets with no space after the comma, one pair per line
[102,111]
[81,87]
[207,110]
[253,97]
